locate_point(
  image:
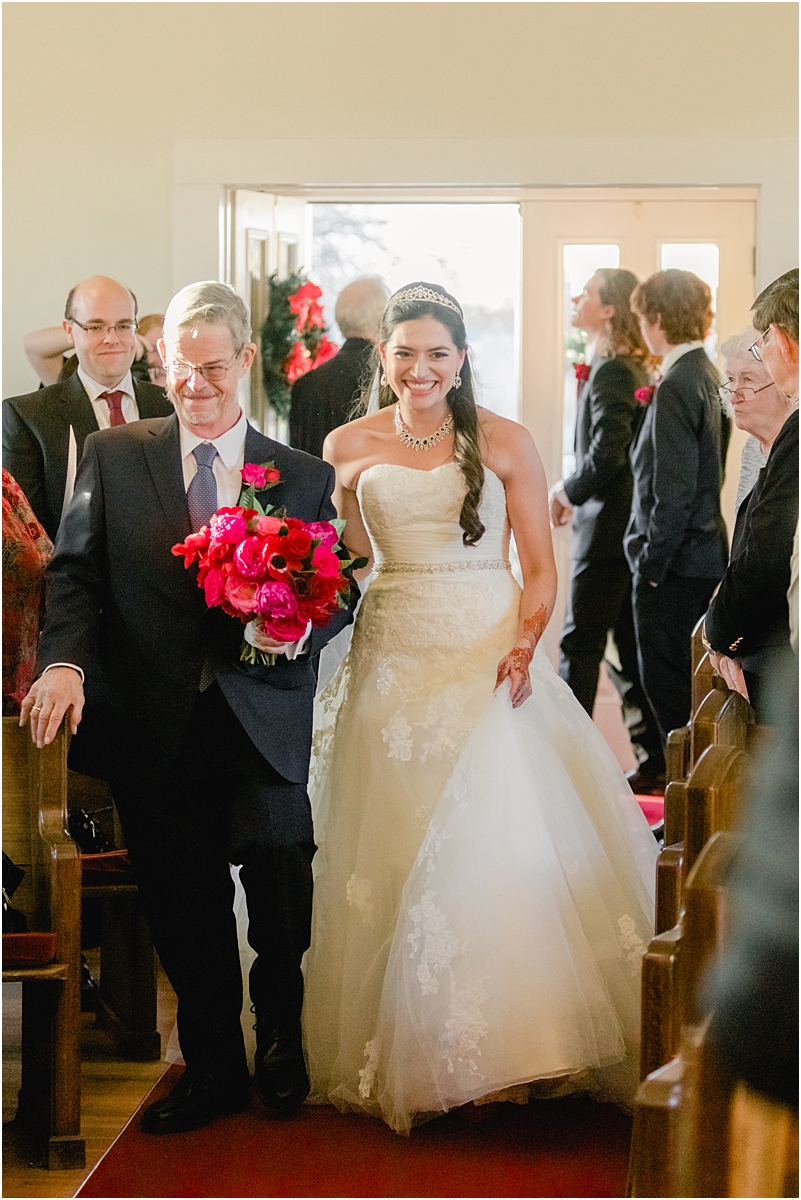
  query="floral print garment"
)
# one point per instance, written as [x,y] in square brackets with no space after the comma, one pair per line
[26,551]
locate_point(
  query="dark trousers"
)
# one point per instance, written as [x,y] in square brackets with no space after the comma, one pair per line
[600,601]
[664,619]
[222,803]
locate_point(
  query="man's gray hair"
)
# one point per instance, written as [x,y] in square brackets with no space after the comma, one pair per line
[739,343]
[360,307]
[208,303]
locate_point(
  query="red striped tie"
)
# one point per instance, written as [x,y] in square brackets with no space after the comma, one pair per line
[114,406]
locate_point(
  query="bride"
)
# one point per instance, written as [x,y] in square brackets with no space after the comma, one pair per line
[484,876]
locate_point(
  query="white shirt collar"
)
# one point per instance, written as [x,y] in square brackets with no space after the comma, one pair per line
[94,389]
[229,445]
[676,353]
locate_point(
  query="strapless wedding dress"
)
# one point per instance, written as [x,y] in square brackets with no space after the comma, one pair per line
[484,878]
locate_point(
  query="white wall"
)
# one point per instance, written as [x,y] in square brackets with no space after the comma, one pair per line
[103,103]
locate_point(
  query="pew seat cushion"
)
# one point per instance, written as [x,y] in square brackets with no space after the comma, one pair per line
[22,950]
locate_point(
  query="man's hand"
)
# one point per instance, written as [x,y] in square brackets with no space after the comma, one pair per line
[730,672]
[49,698]
[559,507]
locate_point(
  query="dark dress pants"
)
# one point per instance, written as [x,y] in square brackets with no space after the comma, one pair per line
[220,803]
[600,601]
[664,619]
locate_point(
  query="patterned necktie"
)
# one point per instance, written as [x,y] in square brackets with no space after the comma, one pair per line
[201,494]
[114,400]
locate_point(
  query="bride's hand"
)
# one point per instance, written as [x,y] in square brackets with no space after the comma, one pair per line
[514,667]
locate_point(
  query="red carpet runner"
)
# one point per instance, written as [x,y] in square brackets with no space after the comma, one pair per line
[571,1147]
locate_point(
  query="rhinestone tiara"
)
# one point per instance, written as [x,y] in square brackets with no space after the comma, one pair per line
[429,295]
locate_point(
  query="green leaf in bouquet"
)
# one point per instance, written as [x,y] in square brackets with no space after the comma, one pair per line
[339,524]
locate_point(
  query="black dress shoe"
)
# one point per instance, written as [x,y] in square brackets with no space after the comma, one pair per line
[646,783]
[281,1078]
[196,1100]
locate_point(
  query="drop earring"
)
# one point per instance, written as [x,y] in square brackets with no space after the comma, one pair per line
[383,379]
[457,383]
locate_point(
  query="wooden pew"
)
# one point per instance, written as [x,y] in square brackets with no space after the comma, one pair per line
[34,834]
[676,1098]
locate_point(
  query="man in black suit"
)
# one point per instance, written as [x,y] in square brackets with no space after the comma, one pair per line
[207,757]
[598,497]
[676,539]
[323,399]
[44,432]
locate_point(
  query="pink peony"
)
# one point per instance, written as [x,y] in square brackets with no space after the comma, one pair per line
[249,558]
[324,531]
[276,602]
[228,525]
[241,593]
[325,562]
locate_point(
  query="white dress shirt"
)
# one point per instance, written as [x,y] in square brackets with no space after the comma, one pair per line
[94,390]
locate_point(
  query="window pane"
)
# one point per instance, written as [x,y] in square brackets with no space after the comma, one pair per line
[703,259]
[580,263]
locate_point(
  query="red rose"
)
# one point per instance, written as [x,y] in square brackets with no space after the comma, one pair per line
[323,587]
[298,542]
[213,586]
[219,551]
[582,371]
[294,523]
[645,394]
[325,562]
[272,475]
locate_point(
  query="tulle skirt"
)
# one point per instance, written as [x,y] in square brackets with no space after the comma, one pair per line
[484,887]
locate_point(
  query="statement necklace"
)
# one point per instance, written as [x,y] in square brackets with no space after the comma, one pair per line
[416,443]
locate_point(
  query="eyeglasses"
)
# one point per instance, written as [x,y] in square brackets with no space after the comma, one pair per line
[755,348]
[97,329]
[745,394]
[212,372]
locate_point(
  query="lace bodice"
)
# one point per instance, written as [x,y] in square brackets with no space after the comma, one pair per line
[412,516]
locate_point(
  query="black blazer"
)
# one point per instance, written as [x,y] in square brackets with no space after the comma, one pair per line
[749,616]
[323,399]
[123,608]
[676,523]
[36,437]
[607,420]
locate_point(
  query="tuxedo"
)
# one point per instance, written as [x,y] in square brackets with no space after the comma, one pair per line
[200,779]
[600,488]
[323,399]
[36,437]
[676,539]
[749,617]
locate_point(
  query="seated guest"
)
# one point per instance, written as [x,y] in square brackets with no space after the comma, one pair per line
[26,552]
[48,352]
[325,398]
[755,403]
[676,539]
[148,332]
[598,498]
[44,431]
[747,628]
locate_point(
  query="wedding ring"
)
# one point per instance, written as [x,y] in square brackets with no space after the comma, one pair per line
[36,708]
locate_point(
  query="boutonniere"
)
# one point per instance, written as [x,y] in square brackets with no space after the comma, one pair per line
[582,370]
[257,477]
[645,394]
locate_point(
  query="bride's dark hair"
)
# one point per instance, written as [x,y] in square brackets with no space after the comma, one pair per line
[461,401]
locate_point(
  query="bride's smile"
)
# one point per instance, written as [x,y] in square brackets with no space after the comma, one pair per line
[421,363]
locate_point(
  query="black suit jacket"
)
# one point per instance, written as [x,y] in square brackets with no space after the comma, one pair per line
[123,608]
[600,488]
[676,523]
[323,399]
[36,435]
[749,616]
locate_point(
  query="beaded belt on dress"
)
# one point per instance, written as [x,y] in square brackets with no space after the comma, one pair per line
[478,564]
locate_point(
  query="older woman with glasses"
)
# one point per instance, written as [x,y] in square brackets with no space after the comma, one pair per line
[747,627]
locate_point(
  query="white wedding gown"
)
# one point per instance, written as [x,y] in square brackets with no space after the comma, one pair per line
[484,878]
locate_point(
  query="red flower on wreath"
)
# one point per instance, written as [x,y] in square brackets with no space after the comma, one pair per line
[297,362]
[303,303]
[645,394]
[325,351]
[582,371]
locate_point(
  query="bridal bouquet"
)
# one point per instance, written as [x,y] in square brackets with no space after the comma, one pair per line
[258,564]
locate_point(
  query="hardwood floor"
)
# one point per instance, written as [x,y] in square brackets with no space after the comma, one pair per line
[111,1093]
